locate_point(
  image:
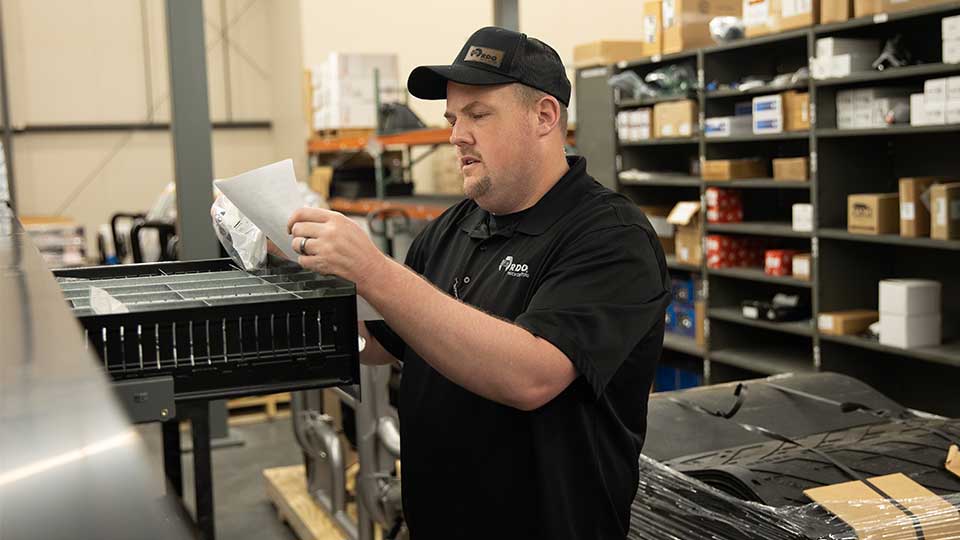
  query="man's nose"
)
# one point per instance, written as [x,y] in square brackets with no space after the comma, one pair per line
[459,135]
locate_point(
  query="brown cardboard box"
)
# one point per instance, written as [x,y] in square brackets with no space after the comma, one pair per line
[689,221]
[796,111]
[791,169]
[802,267]
[832,11]
[914,215]
[686,23]
[657,215]
[651,28]
[873,213]
[731,169]
[846,323]
[779,16]
[945,211]
[601,53]
[675,119]
[871,7]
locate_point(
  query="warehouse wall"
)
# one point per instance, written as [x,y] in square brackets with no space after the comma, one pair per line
[104,61]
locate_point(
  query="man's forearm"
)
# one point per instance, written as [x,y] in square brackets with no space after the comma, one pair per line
[486,355]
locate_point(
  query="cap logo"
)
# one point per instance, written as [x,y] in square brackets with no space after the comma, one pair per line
[484,55]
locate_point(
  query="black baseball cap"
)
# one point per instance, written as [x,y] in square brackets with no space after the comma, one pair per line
[495,55]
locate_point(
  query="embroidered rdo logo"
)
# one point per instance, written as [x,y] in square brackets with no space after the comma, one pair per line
[484,55]
[514,269]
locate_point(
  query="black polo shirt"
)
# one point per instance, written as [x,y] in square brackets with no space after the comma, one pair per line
[584,270]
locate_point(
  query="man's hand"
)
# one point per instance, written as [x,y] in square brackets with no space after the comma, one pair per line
[336,245]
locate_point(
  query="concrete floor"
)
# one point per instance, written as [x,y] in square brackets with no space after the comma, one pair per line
[241,505]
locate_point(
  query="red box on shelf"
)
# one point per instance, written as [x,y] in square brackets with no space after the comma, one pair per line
[724,206]
[731,252]
[779,262]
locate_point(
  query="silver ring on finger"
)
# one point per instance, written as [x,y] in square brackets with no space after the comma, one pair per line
[303,246]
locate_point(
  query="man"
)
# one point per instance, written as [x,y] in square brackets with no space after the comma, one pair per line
[529,317]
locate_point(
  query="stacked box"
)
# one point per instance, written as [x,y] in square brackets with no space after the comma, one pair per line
[724,205]
[686,23]
[733,252]
[910,313]
[951,39]
[681,316]
[762,17]
[787,111]
[728,126]
[779,262]
[914,213]
[872,107]
[938,104]
[635,125]
[839,57]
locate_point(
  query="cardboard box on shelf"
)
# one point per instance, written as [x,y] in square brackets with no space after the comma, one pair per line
[605,52]
[862,8]
[918,110]
[686,23]
[791,169]
[802,265]
[935,112]
[676,118]
[872,7]
[728,126]
[846,323]
[945,211]
[786,111]
[950,27]
[657,215]
[802,217]
[910,331]
[686,216]
[833,11]
[732,169]
[651,28]
[833,46]
[914,214]
[779,262]
[873,213]
[762,17]
[951,51]
[909,296]
[796,107]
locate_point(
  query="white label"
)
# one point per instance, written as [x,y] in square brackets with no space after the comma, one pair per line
[825,322]
[622,64]
[880,18]
[941,212]
[751,312]
[801,267]
[649,29]
[684,253]
[756,12]
[791,8]
[655,58]
[908,211]
[667,130]
[669,13]
[685,128]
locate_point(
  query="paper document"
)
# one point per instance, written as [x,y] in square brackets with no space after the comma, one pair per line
[268,196]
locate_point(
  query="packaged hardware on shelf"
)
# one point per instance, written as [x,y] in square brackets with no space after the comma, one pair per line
[686,23]
[910,312]
[802,214]
[723,205]
[945,211]
[732,169]
[735,252]
[873,213]
[833,46]
[782,308]
[802,264]
[634,125]
[651,28]
[676,118]
[779,262]
[914,212]
[762,17]
[786,111]
[728,126]
[846,323]
[834,11]
[791,169]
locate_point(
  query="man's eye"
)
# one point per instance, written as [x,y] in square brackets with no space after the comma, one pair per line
[479,115]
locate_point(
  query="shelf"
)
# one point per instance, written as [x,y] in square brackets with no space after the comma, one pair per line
[658,59]
[630,103]
[664,180]
[765,360]
[882,18]
[729,314]
[925,70]
[760,90]
[792,135]
[761,40]
[759,183]
[894,130]
[756,274]
[672,263]
[418,137]
[758,228]
[416,207]
[143,126]
[659,142]
[679,343]
[948,354]
[890,239]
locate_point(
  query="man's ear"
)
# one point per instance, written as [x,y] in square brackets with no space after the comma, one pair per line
[548,115]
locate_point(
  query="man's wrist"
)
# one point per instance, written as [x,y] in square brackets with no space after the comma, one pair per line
[377,278]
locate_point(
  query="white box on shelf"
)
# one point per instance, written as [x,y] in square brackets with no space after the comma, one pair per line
[897,108]
[831,46]
[951,27]
[910,331]
[623,133]
[953,111]
[935,112]
[820,68]
[768,114]
[951,51]
[953,88]
[918,110]
[910,296]
[803,217]
[726,126]
[843,65]
[935,90]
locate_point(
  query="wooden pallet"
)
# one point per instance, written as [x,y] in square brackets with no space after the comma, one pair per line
[287,490]
[342,133]
[255,409]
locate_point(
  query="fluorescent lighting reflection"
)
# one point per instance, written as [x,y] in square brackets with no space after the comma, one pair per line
[43,465]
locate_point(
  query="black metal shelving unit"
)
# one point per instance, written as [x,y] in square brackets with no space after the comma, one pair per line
[846,267]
